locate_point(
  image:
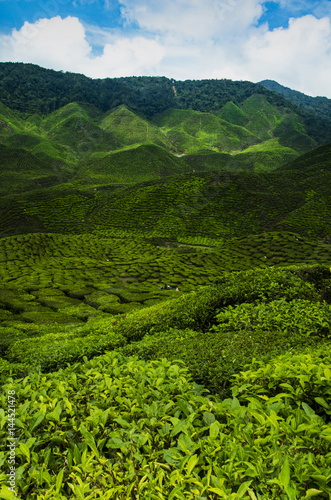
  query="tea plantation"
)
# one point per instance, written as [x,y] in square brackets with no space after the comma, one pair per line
[165,292]
[126,390]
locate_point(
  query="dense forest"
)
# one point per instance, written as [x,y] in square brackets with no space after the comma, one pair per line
[32,89]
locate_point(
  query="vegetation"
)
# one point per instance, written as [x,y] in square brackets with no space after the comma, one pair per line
[145,427]
[319,105]
[115,385]
[62,127]
[217,204]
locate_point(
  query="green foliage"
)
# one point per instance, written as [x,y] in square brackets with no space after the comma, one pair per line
[214,203]
[127,128]
[304,379]
[82,121]
[318,105]
[55,350]
[233,114]
[121,425]
[137,164]
[190,131]
[241,334]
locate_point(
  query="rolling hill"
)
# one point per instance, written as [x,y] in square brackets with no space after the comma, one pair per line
[215,203]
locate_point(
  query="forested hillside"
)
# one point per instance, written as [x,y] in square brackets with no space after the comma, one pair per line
[32,89]
[128,130]
[319,105]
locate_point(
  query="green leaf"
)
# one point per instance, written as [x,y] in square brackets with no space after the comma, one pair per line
[243,488]
[208,418]
[122,422]
[321,401]
[104,417]
[290,493]
[186,444]
[89,439]
[312,493]
[7,494]
[59,479]
[252,495]
[39,417]
[214,429]
[258,417]
[172,456]
[185,407]
[326,436]
[308,411]
[192,463]
[284,475]
[180,427]
[77,455]
[25,450]
[177,493]
[219,492]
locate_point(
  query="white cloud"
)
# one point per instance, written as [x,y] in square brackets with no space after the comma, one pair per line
[298,57]
[128,56]
[52,43]
[61,44]
[193,19]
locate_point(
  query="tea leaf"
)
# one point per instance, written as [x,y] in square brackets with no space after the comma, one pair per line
[284,475]
[59,479]
[192,463]
[214,429]
[312,492]
[208,418]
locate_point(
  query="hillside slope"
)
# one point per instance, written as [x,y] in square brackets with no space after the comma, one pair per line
[211,203]
[319,105]
[78,140]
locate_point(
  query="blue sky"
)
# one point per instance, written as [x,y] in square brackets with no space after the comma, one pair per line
[285,40]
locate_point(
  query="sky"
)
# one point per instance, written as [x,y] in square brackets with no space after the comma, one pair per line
[288,41]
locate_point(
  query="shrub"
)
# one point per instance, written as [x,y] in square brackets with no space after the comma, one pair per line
[125,426]
[301,378]
[241,334]
[53,351]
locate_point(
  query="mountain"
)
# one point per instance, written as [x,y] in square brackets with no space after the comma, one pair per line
[31,89]
[139,153]
[319,105]
[209,124]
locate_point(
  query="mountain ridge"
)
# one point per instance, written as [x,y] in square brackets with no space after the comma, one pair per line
[319,104]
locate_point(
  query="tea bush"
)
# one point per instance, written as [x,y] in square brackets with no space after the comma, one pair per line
[303,378]
[242,333]
[53,351]
[116,427]
[196,311]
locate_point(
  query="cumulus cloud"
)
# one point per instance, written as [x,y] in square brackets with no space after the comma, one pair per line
[192,19]
[298,56]
[48,42]
[61,44]
[129,56]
